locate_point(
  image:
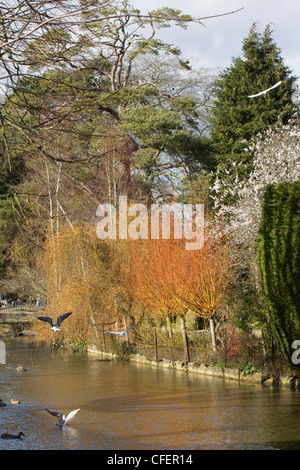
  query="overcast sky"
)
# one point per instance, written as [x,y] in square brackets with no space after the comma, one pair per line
[216,44]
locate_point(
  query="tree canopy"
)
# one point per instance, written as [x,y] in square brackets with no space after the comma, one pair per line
[95,105]
[238,118]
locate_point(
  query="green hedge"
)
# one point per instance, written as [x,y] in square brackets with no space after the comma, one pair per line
[279,259]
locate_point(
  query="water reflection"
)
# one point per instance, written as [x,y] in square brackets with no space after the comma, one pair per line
[134,407]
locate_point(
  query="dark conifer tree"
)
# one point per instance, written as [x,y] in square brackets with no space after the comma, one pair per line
[238,118]
[279,260]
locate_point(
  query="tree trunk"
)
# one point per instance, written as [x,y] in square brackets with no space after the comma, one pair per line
[185,341]
[169,330]
[125,180]
[125,328]
[103,339]
[213,334]
[155,344]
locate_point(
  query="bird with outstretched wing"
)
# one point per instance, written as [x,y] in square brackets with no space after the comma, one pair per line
[120,333]
[60,319]
[265,91]
[62,419]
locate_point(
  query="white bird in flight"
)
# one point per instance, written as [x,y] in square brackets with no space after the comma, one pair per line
[54,326]
[265,91]
[120,333]
[62,419]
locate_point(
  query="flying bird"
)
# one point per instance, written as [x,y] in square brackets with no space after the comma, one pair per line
[120,333]
[54,326]
[265,91]
[62,419]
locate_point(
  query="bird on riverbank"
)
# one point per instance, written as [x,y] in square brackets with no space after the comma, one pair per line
[7,435]
[120,333]
[62,419]
[54,326]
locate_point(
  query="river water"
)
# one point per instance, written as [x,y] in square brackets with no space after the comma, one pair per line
[128,406]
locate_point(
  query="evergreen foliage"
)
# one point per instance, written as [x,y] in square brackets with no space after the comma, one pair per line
[279,258]
[238,118]
[11,205]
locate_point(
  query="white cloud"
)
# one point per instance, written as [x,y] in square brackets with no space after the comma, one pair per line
[221,39]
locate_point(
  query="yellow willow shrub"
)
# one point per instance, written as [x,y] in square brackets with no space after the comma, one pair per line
[81,277]
[149,274]
[170,280]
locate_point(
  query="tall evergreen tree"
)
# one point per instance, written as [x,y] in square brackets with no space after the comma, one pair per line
[279,259]
[238,118]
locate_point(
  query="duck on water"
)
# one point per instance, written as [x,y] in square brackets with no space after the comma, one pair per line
[7,435]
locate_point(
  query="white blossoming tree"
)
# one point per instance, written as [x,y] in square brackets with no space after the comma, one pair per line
[276,160]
